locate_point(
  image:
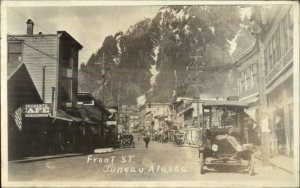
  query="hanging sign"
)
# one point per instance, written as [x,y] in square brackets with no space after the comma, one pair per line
[37,110]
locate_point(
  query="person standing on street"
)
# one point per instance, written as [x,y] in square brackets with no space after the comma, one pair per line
[147,140]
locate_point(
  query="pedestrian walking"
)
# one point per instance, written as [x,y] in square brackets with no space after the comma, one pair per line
[146,140]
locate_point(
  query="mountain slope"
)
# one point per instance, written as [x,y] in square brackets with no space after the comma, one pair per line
[176,41]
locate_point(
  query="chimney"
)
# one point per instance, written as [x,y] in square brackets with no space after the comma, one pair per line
[29,27]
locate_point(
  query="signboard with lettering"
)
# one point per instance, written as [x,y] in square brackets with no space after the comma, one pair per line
[37,110]
[111,122]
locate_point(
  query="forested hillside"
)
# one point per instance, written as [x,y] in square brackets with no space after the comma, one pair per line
[189,47]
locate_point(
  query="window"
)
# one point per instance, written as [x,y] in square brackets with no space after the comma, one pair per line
[277,45]
[266,57]
[290,26]
[285,33]
[248,77]
[242,81]
[14,52]
[289,89]
[270,55]
[254,73]
[71,64]
[274,54]
[68,88]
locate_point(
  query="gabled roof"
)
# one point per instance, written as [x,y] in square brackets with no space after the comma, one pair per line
[12,68]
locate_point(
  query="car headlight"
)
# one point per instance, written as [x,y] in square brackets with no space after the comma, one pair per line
[214,147]
[239,148]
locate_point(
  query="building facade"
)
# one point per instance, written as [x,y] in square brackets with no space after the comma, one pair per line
[53,117]
[266,74]
[154,116]
[277,49]
[187,118]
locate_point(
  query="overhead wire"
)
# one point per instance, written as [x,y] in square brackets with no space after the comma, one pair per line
[33,47]
[38,25]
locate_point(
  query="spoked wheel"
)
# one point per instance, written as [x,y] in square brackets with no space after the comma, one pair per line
[201,163]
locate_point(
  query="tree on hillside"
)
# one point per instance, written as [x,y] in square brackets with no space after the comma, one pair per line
[203,33]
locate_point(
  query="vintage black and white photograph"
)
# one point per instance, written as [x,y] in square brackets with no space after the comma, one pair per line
[150,93]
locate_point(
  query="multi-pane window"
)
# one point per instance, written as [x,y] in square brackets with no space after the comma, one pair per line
[274,54]
[254,73]
[14,52]
[290,26]
[277,46]
[281,41]
[285,33]
[248,77]
[266,58]
[287,30]
[270,55]
[242,81]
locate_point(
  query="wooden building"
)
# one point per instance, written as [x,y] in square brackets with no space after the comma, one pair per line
[266,74]
[44,85]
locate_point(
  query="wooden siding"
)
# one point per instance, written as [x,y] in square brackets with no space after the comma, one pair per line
[35,61]
[67,50]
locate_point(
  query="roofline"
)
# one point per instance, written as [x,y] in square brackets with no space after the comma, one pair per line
[244,53]
[66,33]
[36,35]
[28,35]
[12,73]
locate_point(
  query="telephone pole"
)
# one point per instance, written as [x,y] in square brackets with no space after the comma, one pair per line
[103,98]
[103,77]
[197,68]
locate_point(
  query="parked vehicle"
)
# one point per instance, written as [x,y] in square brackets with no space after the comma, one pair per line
[221,137]
[179,138]
[127,140]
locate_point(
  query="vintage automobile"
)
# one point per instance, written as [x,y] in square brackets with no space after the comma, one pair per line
[222,143]
[127,140]
[179,139]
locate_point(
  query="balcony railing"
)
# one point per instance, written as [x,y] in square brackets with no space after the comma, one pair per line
[249,92]
[280,66]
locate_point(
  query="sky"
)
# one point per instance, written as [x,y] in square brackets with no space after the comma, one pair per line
[88,25]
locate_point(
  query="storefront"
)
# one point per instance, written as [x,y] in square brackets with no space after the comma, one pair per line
[280,102]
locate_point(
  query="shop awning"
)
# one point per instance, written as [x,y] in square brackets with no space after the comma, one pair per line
[60,114]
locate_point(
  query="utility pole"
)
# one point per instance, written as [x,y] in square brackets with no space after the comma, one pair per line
[103,98]
[44,83]
[262,118]
[263,114]
[197,68]
[104,78]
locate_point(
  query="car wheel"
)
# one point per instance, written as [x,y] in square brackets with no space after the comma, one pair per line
[251,165]
[251,168]
[201,163]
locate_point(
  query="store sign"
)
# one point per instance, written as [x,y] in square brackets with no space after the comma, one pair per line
[111,122]
[37,110]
